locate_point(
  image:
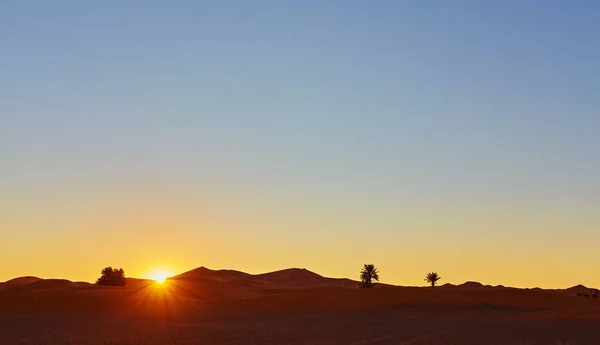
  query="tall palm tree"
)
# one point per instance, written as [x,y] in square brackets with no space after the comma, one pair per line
[432,278]
[368,274]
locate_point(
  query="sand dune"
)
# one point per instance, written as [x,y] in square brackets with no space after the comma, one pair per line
[221,275]
[292,306]
[52,284]
[33,283]
[21,281]
[16,282]
[289,288]
[471,285]
[579,288]
[292,277]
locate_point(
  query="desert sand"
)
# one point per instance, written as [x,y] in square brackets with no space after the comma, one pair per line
[293,306]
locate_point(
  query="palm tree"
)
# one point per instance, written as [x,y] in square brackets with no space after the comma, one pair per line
[368,274]
[432,278]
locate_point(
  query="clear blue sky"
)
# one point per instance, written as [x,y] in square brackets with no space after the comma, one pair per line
[458,136]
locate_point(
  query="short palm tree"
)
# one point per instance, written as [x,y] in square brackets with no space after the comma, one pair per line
[368,274]
[432,278]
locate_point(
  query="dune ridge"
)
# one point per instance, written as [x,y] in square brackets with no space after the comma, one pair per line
[284,278]
[290,277]
[228,306]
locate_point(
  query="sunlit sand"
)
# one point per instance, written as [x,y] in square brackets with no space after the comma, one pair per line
[292,306]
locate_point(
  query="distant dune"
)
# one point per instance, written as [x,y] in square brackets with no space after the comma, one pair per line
[291,306]
[281,279]
[221,275]
[471,285]
[291,277]
[34,283]
[578,288]
[22,280]
[16,282]
[50,284]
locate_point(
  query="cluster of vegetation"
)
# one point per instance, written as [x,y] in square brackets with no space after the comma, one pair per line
[369,273]
[112,277]
[595,294]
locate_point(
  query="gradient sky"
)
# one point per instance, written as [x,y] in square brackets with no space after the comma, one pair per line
[461,137]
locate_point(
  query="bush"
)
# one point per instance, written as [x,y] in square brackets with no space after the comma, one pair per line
[112,277]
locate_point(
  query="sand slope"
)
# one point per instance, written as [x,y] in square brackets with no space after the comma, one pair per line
[291,306]
[288,278]
[289,288]
[18,282]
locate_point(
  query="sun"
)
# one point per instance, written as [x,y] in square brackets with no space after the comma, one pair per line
[160,276]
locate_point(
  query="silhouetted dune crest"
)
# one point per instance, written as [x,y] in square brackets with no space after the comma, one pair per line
[206,273]
[29,283]
[577,288]
[51,283]
[289,277]
[23,280]
[447,285]
[17,282]
[471,285]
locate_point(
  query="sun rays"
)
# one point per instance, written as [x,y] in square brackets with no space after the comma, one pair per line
[163,300]
[160,276]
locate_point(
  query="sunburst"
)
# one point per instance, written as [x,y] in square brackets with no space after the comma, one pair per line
[160,276]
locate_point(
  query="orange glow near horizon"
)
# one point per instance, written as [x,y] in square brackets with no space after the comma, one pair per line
[160,276]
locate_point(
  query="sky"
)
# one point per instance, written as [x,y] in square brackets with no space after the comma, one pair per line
[452,136]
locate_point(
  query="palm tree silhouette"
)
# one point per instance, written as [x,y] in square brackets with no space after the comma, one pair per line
[368,274]
[432,278]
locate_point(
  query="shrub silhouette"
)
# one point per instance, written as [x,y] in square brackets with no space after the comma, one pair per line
[367,275]
[432,278]
[596,293]
[112,277]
